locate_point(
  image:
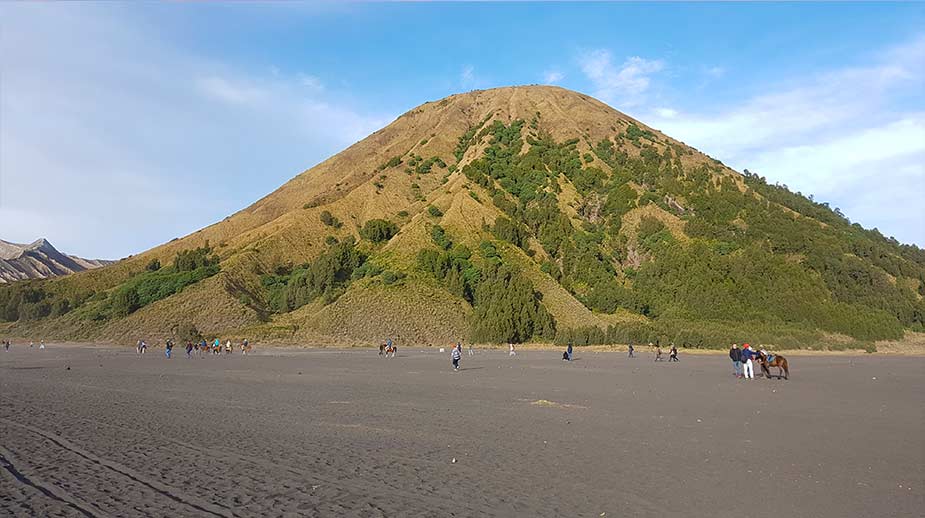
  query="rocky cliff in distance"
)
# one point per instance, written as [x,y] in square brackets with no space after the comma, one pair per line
[39,260]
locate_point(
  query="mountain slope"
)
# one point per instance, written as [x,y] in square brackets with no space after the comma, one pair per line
[39,260]
[519,213]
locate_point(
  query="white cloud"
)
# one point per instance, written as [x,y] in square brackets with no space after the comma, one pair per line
[108,157]
[666,113]
[311,82]
[836,135]
[624,85]
[716,72]
[552,77]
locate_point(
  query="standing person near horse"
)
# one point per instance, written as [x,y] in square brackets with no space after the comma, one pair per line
[736,356]
[569,351]
[748,367]
[456,355]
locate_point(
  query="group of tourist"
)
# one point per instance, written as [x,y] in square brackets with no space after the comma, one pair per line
[200,347]
[672,353]
[8,344]
[744,359]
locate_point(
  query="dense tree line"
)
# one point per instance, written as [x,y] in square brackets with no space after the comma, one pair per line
[775,259]
[326,277]
[506,306]
[189,267]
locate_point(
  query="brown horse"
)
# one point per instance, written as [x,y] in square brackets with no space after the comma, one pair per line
[783,369]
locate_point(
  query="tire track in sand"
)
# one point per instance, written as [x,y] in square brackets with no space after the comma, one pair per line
[162,489]
[52,492]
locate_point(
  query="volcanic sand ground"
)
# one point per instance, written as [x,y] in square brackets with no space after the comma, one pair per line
[345,433]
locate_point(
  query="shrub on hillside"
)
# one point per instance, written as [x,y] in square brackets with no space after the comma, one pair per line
[378,230]
[328,219]
[327,277]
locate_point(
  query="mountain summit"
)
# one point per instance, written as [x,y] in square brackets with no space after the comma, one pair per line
[527,213]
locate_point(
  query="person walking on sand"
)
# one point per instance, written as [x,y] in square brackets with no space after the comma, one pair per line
[748,367]
[736,356]
[471,352]
[512,351]
[673,354]
[168,348]
[632,350]
[189,349]
[456,355]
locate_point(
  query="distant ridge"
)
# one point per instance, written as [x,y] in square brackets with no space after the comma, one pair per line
[39,260]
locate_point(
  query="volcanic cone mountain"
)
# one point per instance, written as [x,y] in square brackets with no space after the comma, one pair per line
[514,214]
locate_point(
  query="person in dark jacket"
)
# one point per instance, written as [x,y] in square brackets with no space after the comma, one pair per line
[569,351]
[736,356]
[747,365]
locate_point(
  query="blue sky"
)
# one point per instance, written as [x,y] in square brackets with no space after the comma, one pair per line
[123,126]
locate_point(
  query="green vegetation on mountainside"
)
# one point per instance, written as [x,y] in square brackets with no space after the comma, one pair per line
[43,299]
[507,308]
[608,232]
[741,268]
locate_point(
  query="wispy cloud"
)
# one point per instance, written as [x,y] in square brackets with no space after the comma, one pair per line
[552,77]
[110,157]
[622,85]
[834,134]
[715,72]
[666,113]
[467,78]
[224,90]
